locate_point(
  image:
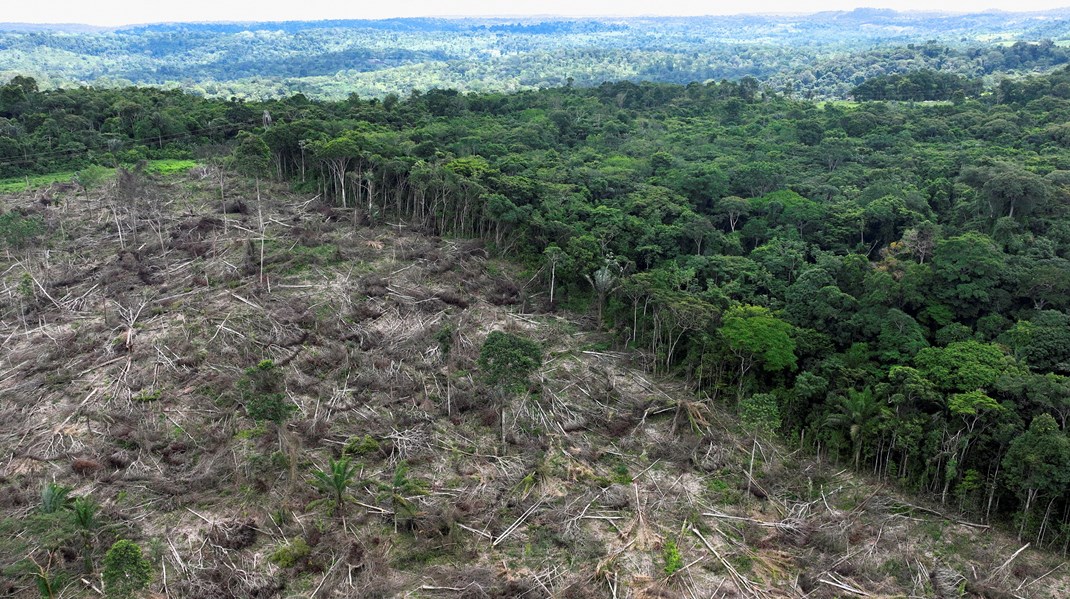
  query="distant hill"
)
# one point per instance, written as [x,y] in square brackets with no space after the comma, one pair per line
[819,56]
[53,27]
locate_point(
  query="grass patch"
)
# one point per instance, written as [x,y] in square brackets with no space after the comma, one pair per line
[35,181]
[295,259]
[169,166]
[156,167]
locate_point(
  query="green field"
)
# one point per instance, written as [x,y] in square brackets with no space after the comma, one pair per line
[158,167]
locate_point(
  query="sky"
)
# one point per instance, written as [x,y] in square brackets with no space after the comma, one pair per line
[124,12]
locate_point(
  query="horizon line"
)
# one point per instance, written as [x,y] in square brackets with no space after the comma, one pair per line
[554,16]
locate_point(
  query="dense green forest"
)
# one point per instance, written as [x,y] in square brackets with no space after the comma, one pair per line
[891,280]
[820,56]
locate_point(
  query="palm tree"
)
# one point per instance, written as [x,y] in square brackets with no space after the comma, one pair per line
[335,481]
[54,498]
[84,514]
[853,413]
[400,492]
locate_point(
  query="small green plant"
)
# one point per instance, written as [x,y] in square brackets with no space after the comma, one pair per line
[527,483]
[361,446]
[126,571]
[26,289]
[251,433]
[334,481]
[444,336]
[289,555]
[743,563]
[262,393]
[147,396]
[281,517]
[92,176]
[84,514]
[674,562]
[169,166]
[47,582]
[400,492]
[54,498]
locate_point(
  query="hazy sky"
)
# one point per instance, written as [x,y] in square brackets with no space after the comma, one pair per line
[116,12]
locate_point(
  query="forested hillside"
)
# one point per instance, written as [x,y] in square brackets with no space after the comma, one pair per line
[819,56]
[882,285]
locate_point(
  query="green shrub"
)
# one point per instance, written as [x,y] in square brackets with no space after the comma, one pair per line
[262,393]
[288,556]
[506,360]
[362,446]
[673,560]
[16,230]
[126,571]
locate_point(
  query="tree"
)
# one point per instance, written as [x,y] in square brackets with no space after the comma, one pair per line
[836,150]
[815,301]
[731,211]
[857,412]
[755,179]
[760,414]
[967,272]
[901,337]
[251,157]
[506,360]
[755,336]
[338,154]
[962,366]
[90,177]
[1037,465]
[920,240]
[1008,188]
[17,231]
[971,408]
[554,257]
[1046,282]
[126,571]
[604,282]
[1042,342]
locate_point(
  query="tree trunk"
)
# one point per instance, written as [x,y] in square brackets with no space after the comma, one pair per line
[750,469]
[260,215]
[553,279]
[1044,523]
[1029,495]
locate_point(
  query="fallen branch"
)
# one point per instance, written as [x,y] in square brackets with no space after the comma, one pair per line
[481,533]
[844,587]
[942,515]
[1006,563]
[745,586]
[512,527]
